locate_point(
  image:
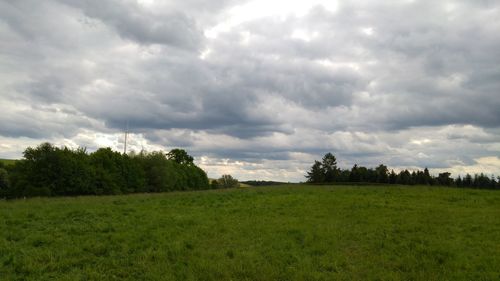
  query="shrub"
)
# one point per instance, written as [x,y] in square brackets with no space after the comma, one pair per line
[227,181]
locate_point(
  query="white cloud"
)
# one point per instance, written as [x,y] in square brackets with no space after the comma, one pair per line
[257,88]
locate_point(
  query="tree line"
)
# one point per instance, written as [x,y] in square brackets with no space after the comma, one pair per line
[47,170]
[326,171]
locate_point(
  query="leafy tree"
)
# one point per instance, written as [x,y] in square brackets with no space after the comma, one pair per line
[354,175]
[160,173]
[197,178]
[133,175]
[227,181]
[344,175]
[166,174]
[214,184]
[444,179]
[4,182]
[382,174]
[404,177]
[106,177]
[180,156]
[116,173]
[48,170]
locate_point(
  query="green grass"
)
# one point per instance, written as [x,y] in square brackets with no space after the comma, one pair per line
[7,161]
[269,233]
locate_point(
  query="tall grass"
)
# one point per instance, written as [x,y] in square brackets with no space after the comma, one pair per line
[269,233]
[7,161]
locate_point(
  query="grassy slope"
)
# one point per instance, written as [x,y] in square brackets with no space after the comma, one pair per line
[278,233]
[7,161]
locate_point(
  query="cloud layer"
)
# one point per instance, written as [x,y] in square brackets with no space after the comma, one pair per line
[257,88]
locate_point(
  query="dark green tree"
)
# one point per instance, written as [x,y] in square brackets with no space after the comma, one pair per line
[393,177]
[48,170]
[107,177]
[467,181]
[316,174]
[116,173]
[214,184]
[227,181]
[354,175]
[196,177]
[180,156]
[329,166]
[444,179]
[4,183]
[404,177]
[481,181]
[427,177]
[382,174]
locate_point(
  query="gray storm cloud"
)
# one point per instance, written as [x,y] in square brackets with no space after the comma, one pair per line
[407,83]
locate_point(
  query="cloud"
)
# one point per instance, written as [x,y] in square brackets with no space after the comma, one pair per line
[132,21]
[406,83]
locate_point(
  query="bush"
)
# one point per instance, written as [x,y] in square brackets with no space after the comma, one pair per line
[227,181]
[50,171]
[4,182]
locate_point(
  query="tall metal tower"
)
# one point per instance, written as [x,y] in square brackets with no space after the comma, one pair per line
[125,143]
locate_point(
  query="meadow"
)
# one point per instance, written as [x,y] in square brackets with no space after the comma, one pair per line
[291,232]
[7,161]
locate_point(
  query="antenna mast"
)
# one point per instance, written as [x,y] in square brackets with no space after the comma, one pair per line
[125,145]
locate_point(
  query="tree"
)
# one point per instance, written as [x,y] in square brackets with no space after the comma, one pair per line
[427,177]
[160,173]
[227,181]
[393,177]
[4,182]
[382,174]
[404,177]
[116,173]
[481,181]
[329,166]
[47,170]
[180,156]
[421,177]
[196,177]
[133,174]
[444,179]
[316,175]
[467,181]
[108,179]
[354,175]
[214,184]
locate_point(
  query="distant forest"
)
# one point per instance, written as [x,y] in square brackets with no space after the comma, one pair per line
[51,171]
[262,183]
[47,170]
[326,171]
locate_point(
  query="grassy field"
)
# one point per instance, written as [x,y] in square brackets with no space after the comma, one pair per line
[268,233]
[7,161]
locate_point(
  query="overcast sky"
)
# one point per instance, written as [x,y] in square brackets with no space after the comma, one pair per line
[257,89]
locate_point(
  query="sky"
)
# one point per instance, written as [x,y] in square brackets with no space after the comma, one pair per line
[257,89]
